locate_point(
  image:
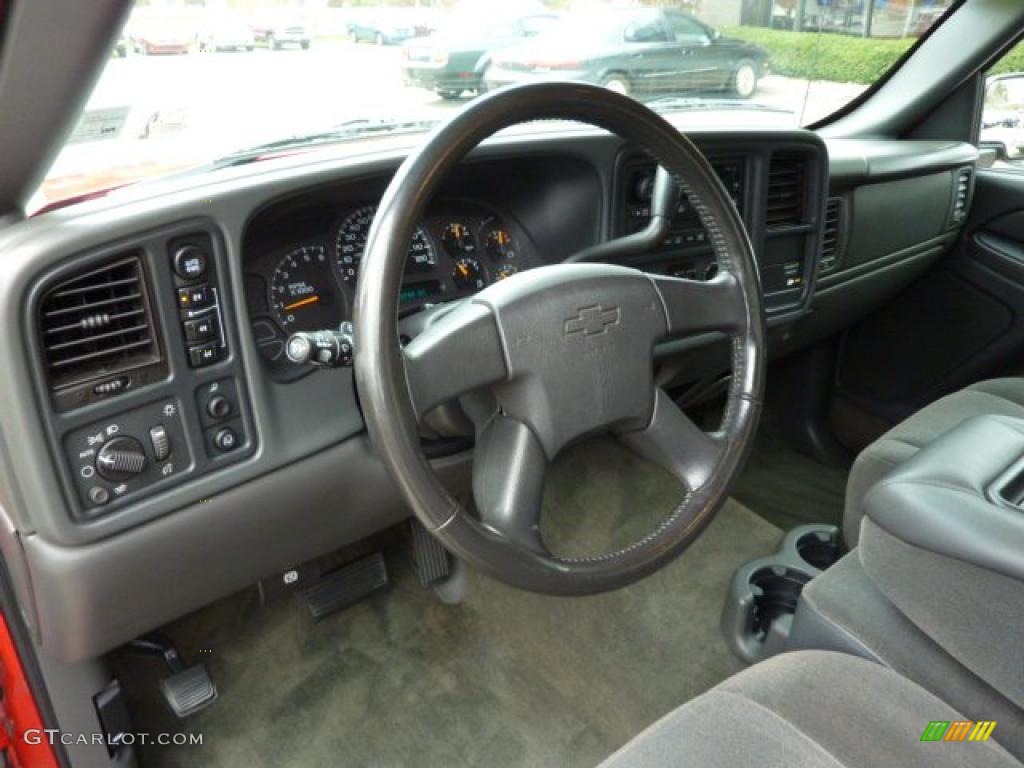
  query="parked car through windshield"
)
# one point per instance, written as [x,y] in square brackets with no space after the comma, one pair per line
[637,52]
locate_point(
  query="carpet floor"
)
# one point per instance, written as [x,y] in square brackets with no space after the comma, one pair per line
[504,679]
[785,487]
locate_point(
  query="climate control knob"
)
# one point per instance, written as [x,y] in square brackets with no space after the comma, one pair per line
[121,458]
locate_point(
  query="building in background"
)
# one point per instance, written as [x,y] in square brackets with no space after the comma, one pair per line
[866,18]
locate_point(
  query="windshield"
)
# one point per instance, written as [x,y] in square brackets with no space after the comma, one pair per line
[190,85]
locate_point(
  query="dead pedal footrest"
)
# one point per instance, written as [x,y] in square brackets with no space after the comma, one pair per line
[347,586]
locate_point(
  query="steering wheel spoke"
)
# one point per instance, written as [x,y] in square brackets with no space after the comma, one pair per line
[698,306]
[509,468]
[461,352]
[672,441]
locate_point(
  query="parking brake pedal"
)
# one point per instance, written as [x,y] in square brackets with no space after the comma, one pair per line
[346,586]
[188,689]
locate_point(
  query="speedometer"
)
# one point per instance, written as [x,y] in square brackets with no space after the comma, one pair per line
[351,243]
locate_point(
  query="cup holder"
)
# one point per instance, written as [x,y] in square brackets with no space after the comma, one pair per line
[765,593]
[776,590]
[819,548]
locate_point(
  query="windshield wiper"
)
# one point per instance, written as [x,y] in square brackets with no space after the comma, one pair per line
[350,129]
[683,103]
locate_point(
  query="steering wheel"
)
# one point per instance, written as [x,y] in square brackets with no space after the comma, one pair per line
[564,350]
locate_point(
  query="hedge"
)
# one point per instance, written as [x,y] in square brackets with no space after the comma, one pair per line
[824,56]
[1013,61]
[841,58]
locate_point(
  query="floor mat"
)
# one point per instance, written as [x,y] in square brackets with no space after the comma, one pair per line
[505,679]
[787,488]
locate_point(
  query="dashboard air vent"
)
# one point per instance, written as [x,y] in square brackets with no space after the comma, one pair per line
[830,237]
[961,196]
[786,190]
[97,323]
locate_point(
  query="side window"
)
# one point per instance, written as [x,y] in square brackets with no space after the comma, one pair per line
[686,30]
[649,30]
[1002,115]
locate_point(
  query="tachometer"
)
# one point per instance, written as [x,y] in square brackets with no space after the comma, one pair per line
[302,291]
[351,243]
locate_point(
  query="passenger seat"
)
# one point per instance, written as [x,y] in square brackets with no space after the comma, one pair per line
[1000,397]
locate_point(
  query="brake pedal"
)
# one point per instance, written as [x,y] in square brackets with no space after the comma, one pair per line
[189,691]
[346,586]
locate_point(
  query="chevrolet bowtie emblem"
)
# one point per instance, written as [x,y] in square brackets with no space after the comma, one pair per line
[593,320]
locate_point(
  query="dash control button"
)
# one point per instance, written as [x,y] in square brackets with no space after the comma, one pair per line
[194,297]
[200,330]
[160,441]
[99,495]
[226,440]
[189,262]
[219,407]
[204,355]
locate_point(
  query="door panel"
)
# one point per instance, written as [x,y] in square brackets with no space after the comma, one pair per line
[692,61]
[655,60]
[961,323]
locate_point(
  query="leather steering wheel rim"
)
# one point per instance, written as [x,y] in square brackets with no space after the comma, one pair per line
[565,321]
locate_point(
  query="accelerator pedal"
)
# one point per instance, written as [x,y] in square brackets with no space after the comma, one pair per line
[346,586]
[432,563]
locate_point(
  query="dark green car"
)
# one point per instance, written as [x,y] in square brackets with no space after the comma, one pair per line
[457,60]
[638,52]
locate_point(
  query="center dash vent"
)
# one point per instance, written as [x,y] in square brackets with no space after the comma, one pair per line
[97,323]
[786,190]
[961,196]
[830,237]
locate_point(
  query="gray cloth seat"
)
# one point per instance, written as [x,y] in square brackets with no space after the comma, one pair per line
[808,709]
[999,397]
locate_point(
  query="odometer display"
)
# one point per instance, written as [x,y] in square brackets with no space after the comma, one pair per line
[412,294]
[351,243]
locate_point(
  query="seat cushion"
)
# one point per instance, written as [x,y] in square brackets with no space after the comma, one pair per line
[808,709]
[1002,397]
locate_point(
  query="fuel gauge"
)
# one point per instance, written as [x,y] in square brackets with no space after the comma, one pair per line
[505,271]
[468,274]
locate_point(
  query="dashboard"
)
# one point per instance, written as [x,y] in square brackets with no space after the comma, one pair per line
[158,435]
[458,249]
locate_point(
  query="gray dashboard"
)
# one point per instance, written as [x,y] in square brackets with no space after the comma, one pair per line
[301,478]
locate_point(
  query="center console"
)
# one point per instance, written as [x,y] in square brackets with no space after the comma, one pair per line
[935,588]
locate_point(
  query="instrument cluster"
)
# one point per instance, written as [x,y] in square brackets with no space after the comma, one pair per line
[457,250]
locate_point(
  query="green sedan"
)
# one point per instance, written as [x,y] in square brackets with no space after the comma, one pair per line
[641,52]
